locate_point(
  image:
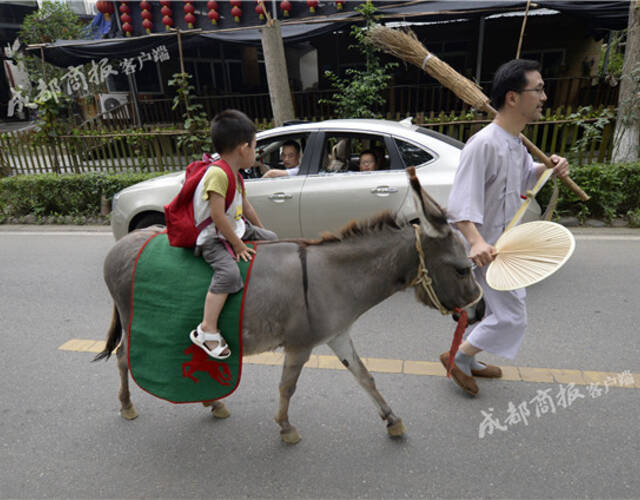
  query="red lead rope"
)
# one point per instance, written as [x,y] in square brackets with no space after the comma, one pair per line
[457,336]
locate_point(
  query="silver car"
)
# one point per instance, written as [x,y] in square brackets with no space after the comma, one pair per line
[329,189]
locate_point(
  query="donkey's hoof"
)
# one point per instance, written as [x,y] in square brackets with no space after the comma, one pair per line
[397,429]
[220,411]
[129,413]
[290,436]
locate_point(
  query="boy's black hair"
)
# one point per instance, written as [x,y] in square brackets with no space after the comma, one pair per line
[511,76]
[293,144]
[229,129]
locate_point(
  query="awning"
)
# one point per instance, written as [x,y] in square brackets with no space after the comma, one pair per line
[598,15]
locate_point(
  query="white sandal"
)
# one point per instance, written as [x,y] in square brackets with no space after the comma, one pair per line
[198,337]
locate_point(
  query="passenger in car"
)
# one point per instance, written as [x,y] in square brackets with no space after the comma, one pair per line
[290,157]
[368,161]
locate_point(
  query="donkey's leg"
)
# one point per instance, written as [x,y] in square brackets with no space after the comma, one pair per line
[218,408]
[342,346]
[127,410]
[293,363]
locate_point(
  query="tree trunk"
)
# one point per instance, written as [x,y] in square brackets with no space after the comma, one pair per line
[626,145]
[277,76]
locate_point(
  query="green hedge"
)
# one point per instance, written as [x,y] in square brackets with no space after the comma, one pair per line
[45,195]
[614,191]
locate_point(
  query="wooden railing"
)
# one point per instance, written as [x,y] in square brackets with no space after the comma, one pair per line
[159,150]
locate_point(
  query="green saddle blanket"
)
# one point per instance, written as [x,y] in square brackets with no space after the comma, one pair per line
[168,292]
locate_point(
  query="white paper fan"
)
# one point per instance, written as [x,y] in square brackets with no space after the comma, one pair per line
[529,253]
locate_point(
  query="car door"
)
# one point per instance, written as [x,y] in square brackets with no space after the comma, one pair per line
[332,197]
[277,200]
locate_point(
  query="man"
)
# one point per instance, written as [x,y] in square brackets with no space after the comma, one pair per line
[495,169]
[290,157]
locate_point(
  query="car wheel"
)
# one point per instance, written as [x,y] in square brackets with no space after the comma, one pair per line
[147,220]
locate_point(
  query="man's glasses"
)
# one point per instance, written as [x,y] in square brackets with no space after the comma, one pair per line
[539,90]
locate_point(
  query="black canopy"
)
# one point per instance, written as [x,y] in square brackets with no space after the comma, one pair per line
[606,15]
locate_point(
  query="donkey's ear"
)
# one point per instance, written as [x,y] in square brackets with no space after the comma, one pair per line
[433,218]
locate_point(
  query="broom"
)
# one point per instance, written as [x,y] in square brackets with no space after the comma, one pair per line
[404,45]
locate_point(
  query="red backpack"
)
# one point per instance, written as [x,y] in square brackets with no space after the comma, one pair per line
[181,225]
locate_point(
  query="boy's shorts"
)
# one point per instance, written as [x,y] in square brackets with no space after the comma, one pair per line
[226,275]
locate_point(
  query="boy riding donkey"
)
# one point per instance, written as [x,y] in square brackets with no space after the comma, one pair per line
[221,242]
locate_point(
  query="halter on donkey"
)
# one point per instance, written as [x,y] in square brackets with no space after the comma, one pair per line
[306,293]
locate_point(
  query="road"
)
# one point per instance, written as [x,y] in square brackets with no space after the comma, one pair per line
[62,436]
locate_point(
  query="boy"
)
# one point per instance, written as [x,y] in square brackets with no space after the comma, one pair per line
[220,243]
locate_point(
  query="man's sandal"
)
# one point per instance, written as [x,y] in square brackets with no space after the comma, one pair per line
[198,337]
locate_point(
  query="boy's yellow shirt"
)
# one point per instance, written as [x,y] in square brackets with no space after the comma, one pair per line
[216,180]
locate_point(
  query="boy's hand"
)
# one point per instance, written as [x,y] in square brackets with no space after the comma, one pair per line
[243,252]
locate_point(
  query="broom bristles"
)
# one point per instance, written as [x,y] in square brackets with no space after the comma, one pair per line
[406,46]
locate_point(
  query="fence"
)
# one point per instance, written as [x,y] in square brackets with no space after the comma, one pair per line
[403,99]
[159,150]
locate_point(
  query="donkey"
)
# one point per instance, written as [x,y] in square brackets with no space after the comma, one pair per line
[305,293]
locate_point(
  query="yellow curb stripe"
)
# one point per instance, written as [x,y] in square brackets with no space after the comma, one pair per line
[421,368]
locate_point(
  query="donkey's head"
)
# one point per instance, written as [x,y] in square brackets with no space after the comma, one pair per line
[445,258]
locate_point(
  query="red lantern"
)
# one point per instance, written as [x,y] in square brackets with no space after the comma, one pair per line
[312,5]
[105,8]
[125,19]
[127,28]
[286,7]
[259,10]
[340,4]
[213,15]
[166,12]
[189,18]
[236,12]
[145,7]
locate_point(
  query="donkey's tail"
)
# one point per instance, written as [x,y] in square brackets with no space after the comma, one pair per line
[113,336]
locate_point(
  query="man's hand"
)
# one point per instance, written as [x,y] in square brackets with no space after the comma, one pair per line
[243,252]
[561,168]
[481,253]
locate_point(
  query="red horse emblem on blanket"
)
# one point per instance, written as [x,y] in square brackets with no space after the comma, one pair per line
[200,362]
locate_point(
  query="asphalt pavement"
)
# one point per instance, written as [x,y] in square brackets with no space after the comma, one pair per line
[62,436]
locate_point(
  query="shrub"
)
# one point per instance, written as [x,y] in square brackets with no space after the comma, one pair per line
[614,191]
[53,194]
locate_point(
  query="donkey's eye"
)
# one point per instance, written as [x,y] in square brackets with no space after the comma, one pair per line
[463,272]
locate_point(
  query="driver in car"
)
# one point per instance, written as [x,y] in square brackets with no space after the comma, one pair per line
[290,156]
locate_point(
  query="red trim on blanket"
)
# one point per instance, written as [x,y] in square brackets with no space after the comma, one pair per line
[244,294]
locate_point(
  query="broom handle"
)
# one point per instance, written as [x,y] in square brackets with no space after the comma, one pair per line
[549,164]
[535,151]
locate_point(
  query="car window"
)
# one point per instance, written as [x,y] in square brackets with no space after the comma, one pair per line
[411,154]
[342,152]
[269,152]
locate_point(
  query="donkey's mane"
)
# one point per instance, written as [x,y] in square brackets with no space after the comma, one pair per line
[357,228]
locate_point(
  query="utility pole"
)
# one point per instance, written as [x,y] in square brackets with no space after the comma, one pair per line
[276,68]
[626,145]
